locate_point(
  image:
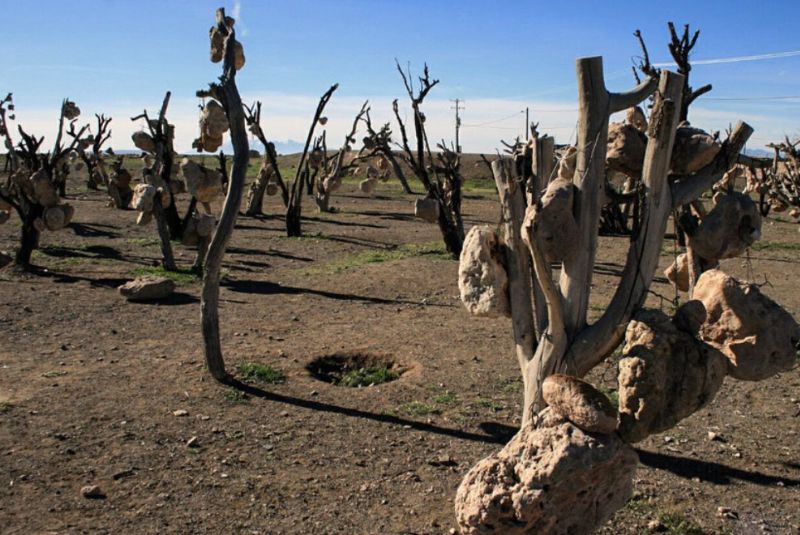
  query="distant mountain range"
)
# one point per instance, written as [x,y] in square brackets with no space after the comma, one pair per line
[289,146]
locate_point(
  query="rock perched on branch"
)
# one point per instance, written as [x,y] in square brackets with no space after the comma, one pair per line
[554,224]
[728,229]
[58,217]
[217,43]
[665,375]
[44,192]
[758,337]
[482,278]
[427,209]
[143,196]
[143,141]
[678,272]
[566,164]
[198,227]
[693,150]
[147,288]
[201,182]
[550,478]
[626,146]
[368,186]
[213,124]
[580,403]
[71,110]
[635,117]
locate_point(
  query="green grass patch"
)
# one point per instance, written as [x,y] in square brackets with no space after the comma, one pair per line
[489,404]
[418,408]
[182,276]
[445,398]
[674,524]
[233,395]
[261,373]
[367,376]
[435,250]
[510,385]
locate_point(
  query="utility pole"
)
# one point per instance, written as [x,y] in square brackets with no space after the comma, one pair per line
[527,124]
[457,107]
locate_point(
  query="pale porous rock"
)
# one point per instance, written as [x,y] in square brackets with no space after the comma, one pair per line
[427,209]
[580,403]
[482,278]
[147,288]
[635,117]
[58,217]
[217,45]
[143,141]
[728,229]
[758,337]
[198,227]
[566,165]
[71,110]
[201,182]
[665,374]
[678,272]
[213,121]
[553,221]
[143,196]
[551,478]
[693,150]
[625,149]
[367,186]
[44,192]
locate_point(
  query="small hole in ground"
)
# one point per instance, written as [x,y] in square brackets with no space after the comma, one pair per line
[355,369]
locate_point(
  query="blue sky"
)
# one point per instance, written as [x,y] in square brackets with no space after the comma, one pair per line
[119,56]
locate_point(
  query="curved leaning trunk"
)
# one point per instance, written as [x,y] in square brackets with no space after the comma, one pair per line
[209,300]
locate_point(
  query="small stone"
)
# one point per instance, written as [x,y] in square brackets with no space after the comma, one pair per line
[726,512]
[655,525]
[192,443]
[180,412]
[580,403]
[147,288]
[92,492]
[712,436]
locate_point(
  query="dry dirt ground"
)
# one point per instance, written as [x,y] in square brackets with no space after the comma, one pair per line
[90,385]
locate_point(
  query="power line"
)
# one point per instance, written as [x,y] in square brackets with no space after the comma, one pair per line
[512,116]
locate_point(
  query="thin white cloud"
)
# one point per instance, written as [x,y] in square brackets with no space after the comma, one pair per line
[737,59]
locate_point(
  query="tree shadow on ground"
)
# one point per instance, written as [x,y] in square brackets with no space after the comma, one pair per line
[356,413]
[274,288]
[270,252]
[342,223]
[387,215]
[709,471]
[95,230]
